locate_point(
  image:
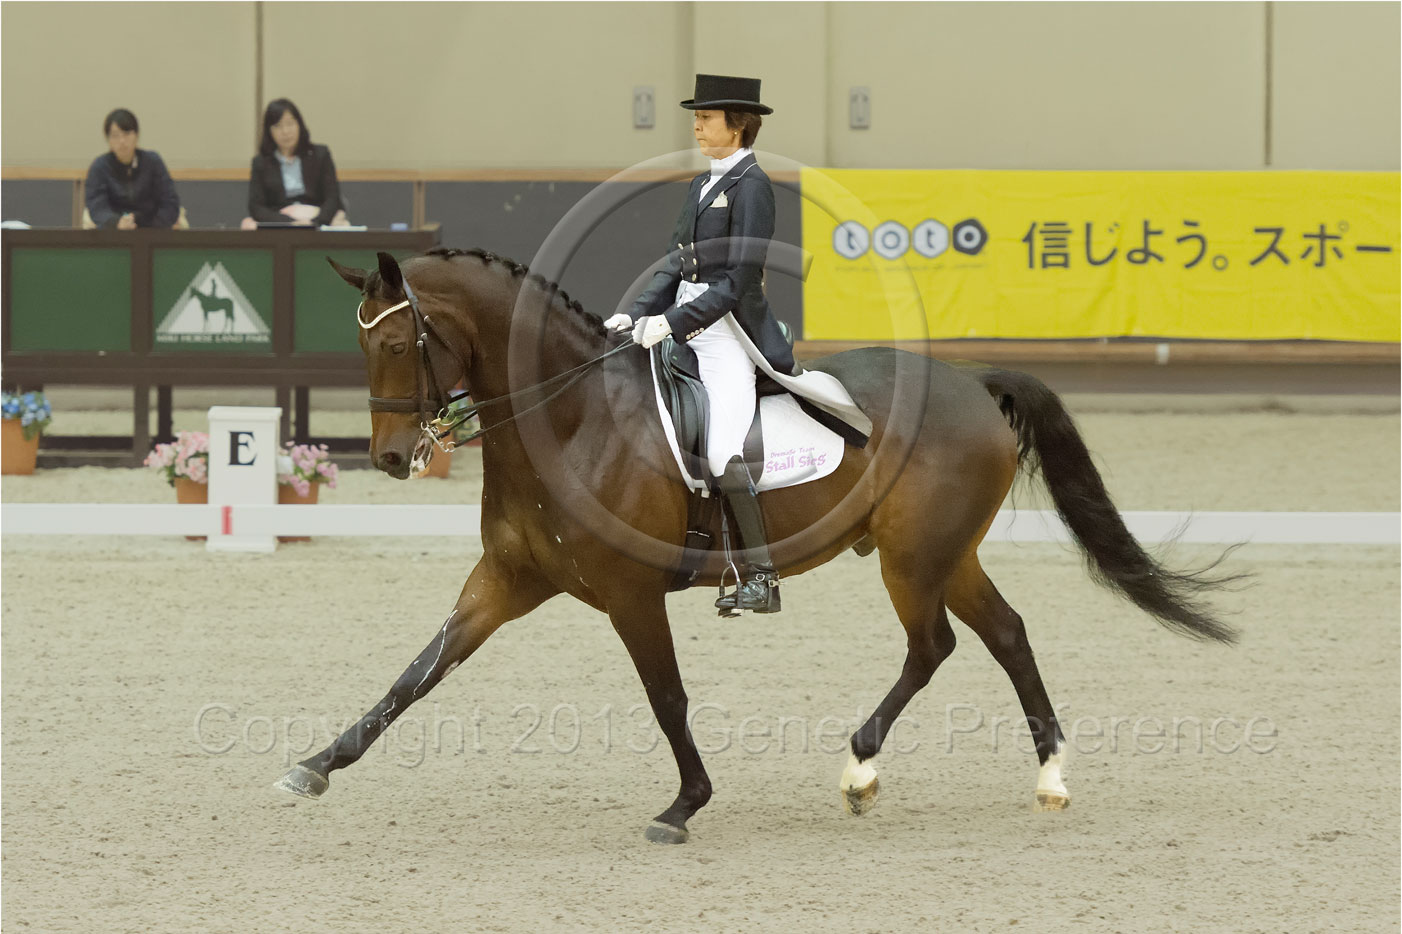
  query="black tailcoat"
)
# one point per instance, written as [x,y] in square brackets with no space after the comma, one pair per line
[266,196]
[721,241]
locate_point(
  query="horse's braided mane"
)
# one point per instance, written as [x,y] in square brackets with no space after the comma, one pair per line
[520,271]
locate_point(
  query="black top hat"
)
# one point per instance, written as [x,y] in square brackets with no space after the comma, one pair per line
[721,92]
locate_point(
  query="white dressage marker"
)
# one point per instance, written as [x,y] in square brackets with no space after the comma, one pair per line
[243,450]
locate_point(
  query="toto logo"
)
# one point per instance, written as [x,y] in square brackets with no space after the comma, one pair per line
[892,239]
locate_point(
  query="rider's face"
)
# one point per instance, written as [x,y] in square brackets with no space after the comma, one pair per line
[715,138]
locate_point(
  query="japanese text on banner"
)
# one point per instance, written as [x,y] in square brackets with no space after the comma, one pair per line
[905,255]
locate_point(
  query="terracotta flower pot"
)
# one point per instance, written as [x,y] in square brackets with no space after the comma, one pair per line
[190,493]
[438,466]
[287,495]
[17,456]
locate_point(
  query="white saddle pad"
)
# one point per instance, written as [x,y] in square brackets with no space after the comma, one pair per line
[797,448]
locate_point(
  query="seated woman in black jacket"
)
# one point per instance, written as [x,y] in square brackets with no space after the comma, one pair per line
[128,187]
[293,180]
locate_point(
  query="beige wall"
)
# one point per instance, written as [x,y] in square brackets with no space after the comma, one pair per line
[446,85]
[791,42]
[1051,85]
[438,86]
[1336,91]
[185,69]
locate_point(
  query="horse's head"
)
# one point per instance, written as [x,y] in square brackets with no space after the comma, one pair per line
[409,363]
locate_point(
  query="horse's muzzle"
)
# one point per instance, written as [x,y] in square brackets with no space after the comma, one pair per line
[394,464]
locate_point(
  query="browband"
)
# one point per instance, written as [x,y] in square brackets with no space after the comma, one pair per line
[378,318]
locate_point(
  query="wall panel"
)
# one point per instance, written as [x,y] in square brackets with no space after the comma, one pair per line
[185,69]
[454,86]
[449,85]
[785,45]
[1050,85]
[1336,89]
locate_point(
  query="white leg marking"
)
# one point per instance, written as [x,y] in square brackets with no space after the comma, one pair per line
[1051,791]
[858,774]
[859,786]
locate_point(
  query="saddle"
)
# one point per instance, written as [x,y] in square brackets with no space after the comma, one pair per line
[685,397]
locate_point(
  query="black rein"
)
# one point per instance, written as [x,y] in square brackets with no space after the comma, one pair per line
[449,416]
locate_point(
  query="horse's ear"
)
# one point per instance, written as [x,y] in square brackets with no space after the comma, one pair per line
[355,277]
[389,271]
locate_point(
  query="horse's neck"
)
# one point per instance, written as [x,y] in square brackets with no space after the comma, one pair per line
[568,341]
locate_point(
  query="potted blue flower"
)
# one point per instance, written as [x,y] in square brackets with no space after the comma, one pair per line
[23,418]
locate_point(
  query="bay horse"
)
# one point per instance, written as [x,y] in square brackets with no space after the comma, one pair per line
[582,497]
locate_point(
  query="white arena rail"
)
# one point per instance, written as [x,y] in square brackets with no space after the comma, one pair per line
[1307,528]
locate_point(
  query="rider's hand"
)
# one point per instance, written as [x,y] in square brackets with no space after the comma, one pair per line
[619,322]
[650,330]
[126,222]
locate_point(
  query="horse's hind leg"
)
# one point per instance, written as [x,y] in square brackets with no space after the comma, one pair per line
[915,591]
[972,597]
[489,598]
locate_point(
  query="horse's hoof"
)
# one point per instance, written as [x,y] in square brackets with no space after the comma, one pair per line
[1052,801]
[859,801]
[302,781]
[658,832]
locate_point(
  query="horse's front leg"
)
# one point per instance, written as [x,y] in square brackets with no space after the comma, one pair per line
[491,596]
[641,622]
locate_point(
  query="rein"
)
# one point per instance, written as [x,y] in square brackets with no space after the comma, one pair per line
[456,414]
[452,412]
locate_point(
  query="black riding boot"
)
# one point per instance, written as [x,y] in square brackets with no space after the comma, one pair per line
[758,590]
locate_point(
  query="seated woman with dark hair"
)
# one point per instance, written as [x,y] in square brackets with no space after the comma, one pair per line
[293,180]
[128,187]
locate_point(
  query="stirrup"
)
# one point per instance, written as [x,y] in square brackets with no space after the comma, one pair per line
[758,594]
[725,603]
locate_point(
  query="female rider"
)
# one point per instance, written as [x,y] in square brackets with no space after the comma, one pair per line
[710,287]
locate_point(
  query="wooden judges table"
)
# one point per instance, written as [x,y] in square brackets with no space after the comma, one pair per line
[165,308]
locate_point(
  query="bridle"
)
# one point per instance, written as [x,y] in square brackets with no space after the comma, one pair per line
[439,414]
[429,401]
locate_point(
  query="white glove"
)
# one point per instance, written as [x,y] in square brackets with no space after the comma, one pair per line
[650,330]
[619,322]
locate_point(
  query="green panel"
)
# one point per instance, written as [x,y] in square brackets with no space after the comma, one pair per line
[70,299]
[212,300]
[325,305]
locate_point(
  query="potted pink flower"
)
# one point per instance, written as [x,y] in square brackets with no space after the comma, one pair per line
[302,469]
[185,465]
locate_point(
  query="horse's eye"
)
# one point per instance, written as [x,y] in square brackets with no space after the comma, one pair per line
[398,346]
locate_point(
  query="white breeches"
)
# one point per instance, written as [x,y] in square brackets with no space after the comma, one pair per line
[729,376]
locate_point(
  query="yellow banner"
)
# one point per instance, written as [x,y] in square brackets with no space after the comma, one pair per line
[907,255]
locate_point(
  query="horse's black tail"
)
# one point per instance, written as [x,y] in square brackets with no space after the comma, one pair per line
[1047,437]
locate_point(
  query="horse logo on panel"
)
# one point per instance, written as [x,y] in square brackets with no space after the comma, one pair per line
[213,298]
[212,303]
